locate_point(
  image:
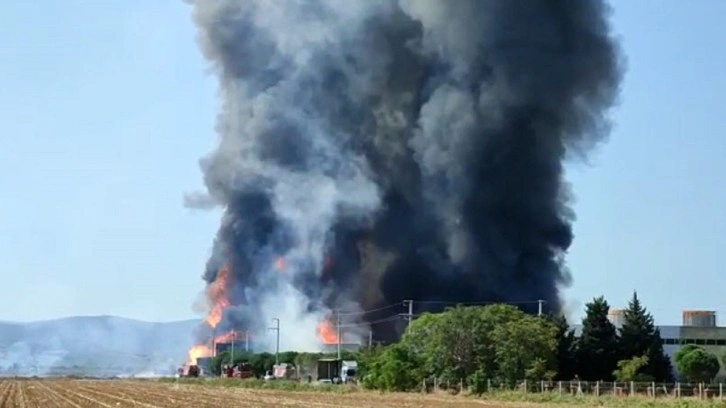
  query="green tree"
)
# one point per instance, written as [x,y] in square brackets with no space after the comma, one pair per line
[261,363]
[449,344]
[472,344]
[397,368]
[566,349]
[630,370]
[640,337]
[597,352]
[525,348]
[288,357]
[696,364]
[366,358]
[467,344]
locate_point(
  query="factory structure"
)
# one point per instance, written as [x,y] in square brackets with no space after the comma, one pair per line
[698,327]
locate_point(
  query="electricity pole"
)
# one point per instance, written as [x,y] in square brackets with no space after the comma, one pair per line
[337,319]
[277,347]
[214,342]
[409,315]
[540,303]
[231,355]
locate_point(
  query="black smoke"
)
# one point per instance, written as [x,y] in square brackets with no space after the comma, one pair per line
[393,150]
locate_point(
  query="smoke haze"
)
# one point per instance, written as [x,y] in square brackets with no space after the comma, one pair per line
[373,151]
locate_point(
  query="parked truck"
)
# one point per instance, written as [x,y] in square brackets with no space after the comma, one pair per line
[240,370]
[331,370]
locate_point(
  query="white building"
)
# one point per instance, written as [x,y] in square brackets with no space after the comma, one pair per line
[699,327]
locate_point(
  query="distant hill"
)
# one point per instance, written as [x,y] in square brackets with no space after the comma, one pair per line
[103,346]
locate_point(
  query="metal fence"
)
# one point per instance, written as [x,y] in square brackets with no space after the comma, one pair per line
[590,388]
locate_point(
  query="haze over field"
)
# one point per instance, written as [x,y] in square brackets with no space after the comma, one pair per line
[102,346]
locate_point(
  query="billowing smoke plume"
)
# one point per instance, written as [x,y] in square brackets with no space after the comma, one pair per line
[373,151]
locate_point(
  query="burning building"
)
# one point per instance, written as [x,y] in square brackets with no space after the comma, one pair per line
[372,151]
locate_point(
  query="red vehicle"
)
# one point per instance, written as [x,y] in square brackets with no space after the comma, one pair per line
[241,370]
[244,370]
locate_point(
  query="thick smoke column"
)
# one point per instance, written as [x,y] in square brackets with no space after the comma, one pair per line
[378,150]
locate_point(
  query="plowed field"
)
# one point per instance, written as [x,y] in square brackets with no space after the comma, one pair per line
[50,393]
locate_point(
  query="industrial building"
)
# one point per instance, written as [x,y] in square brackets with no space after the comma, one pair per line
[698,327]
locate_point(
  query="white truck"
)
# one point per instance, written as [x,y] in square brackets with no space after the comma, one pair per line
[331,370]
[348,371]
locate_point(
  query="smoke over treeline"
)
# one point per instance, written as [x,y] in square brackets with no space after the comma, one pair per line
[372,151]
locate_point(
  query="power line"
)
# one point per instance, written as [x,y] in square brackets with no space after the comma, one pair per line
[409,314]
[370,310]
[384,320]
[446,302]
[481,302]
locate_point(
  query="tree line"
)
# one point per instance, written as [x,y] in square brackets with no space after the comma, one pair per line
[471,345]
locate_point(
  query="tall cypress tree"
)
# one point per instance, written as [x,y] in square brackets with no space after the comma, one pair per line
[566,349]
[640,337]
[597,351]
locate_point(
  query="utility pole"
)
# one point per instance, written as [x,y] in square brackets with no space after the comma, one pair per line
[214,342]
[540,303]
[231,355]
[409,315]
[277,347]
[337,320]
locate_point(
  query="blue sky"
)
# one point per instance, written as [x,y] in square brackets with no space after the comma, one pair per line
[106,107]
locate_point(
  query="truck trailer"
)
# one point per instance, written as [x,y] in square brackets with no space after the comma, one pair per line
[337,371]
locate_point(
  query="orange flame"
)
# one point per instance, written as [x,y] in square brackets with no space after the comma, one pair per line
[215,315]
[326,332]
[231,336]
[198,352]
[218,301]
[217,295]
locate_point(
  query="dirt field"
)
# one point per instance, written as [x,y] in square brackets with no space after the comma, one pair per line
[118,393]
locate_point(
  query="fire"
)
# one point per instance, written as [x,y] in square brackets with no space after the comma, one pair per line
[198,352]
[218,301]
[231,336]
[226,337]
[217,295]
[327,333]
[217,290]
[215,315]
